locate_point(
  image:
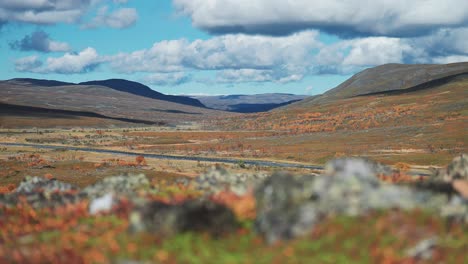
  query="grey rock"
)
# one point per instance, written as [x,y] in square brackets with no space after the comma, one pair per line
[121,185]
[289,206]
[218,179]
[285,206]
[456,170]
[359,167]
[34,184]
[101,204]
[423,250]
[40,192]
[355,189]
[456,210]
[40,199]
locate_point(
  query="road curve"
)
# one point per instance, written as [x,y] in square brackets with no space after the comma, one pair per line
[263,163]
[173,157]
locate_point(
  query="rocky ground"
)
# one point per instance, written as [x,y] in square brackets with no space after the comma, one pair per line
[130,219]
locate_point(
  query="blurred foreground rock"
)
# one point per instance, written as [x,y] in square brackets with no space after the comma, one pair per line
[121,185]
[195,216]
[423,250]
[219,179]
[36,184]
[456,170]
[41,192]
[285,206]
[289,206]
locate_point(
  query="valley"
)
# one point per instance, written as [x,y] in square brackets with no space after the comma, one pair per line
[183,175]
[233,132]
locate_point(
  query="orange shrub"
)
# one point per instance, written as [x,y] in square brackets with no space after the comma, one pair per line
[402,166]
[7,189]
[140,160]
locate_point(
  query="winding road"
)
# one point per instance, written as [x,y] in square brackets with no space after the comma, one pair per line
[172,157]
[263,163]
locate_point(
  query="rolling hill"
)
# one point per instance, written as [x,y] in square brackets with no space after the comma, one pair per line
[18,116]
[390,77]
[249,103]
[143,90]
[118,85]
[103,101]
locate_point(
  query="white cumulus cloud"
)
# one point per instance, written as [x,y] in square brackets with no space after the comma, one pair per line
[43,11]
[345,18]
[274,58]
[375,51]
[39,41]
[69,63]
[46,12]
[167,79]
[120,18]
[28,64]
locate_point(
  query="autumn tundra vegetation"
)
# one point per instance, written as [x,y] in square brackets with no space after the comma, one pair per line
[379,177]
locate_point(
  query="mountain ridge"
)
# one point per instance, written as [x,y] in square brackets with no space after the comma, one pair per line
[388,78]
[395,76]
[121,85]
[140,89]
[100,100]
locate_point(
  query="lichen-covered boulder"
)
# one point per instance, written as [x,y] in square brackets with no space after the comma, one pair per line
[456,170]
[219,179]
[41,192]
[101,204]
[358,167]
[40,199]
[285,206]
[289,206]
[352,188]
[34,184]
[120,185]
[456,210]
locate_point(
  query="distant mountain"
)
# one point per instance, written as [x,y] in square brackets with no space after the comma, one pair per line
[143,90]
[390,77]
[249,103]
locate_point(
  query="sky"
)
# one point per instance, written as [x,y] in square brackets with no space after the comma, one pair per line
[214,47]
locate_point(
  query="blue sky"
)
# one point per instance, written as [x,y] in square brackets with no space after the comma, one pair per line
[226,46]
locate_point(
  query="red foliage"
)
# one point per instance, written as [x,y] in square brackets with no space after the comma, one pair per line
[140,160]
[243,206]
[398,177]
[8,188]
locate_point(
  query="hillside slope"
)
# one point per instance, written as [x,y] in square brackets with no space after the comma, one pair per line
[143,90]
[115,84]
[39,82]
[18,116]
[389,77]
[100,100]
